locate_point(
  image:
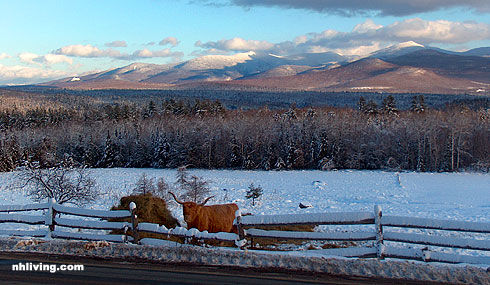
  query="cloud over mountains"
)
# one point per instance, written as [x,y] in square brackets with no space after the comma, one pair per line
[364,38]
[365,7]
[90,51]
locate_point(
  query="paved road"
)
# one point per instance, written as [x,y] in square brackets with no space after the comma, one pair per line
[124,272]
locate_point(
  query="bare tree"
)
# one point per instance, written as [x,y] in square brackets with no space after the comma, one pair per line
[144,185]
[65,183]
[197,188]
[194,188]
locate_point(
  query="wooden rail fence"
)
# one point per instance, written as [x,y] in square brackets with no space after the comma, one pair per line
[379,238]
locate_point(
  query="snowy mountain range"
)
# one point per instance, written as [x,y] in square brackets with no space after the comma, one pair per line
[465,71]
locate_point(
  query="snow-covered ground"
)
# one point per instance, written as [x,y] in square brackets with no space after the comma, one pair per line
[452,196]
[455,196]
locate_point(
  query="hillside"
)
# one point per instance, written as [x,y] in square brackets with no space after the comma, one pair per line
[406,67]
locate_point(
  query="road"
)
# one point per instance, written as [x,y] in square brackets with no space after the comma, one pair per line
[98,271]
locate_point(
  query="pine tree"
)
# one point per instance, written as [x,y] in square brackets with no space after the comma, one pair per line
[389,105]
[422,106]
[111,153]
[235,156]
[418,104]
[280,164]
[361,105]
[254,193]
[371,108]
[161,153]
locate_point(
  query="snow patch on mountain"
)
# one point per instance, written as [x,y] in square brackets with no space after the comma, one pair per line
[217,61]
[407,44]
[397,50]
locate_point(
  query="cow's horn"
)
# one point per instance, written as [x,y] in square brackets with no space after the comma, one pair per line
[207,199]
[175,197]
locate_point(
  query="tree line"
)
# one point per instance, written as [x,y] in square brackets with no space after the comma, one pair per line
[204,134]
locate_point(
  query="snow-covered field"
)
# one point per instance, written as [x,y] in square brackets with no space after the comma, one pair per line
[455,196]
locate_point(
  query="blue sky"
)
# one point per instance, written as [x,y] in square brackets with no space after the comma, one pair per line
[43,40]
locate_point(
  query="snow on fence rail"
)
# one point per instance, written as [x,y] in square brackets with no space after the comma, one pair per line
[378,234]
[51,218]
[245,224]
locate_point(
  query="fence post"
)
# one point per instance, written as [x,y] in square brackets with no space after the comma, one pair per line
[379,232]
[49,217]
[134,222]
[241,233]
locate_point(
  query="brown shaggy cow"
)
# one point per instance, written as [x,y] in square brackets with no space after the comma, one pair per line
[214,218]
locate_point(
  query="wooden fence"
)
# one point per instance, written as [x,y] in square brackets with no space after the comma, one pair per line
[382,234]
[54,216]
[378,236]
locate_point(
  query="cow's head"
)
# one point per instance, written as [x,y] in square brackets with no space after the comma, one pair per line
[190,209]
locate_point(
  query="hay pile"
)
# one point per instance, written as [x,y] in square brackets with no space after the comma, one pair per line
[149,209]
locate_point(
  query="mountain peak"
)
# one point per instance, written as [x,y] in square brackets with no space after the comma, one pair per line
[397,50]
[407,44]
[217,61]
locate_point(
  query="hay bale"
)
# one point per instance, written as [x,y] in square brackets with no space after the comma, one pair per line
[149,209]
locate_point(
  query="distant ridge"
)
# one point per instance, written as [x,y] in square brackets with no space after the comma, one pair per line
[405,67]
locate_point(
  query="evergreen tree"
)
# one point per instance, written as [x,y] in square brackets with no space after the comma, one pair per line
[235,156]
[161,153]
[111,153]
[361,105]
[254,193]
[371,108]
[92,155]
[389,105]
[418,104]
[280,164]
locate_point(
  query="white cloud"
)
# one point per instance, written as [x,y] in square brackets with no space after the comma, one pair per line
[169,41]
[4,56]
[26,75]
[441,31]
[87,51]
[90,51]
[363,39]
[146,53]
[32,58]
[367,26]
[236,44]
[116,44]
[28,57]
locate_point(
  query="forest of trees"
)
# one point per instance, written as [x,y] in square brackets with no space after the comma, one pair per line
[170,133]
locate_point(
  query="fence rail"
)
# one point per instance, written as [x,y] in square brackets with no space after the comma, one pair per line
[52,220]
[381,231]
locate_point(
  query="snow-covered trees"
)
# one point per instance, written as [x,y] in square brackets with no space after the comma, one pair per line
[418,104]
[203,134]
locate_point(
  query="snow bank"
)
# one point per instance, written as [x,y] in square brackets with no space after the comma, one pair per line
[34,233]
[169,252]
[427,255]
